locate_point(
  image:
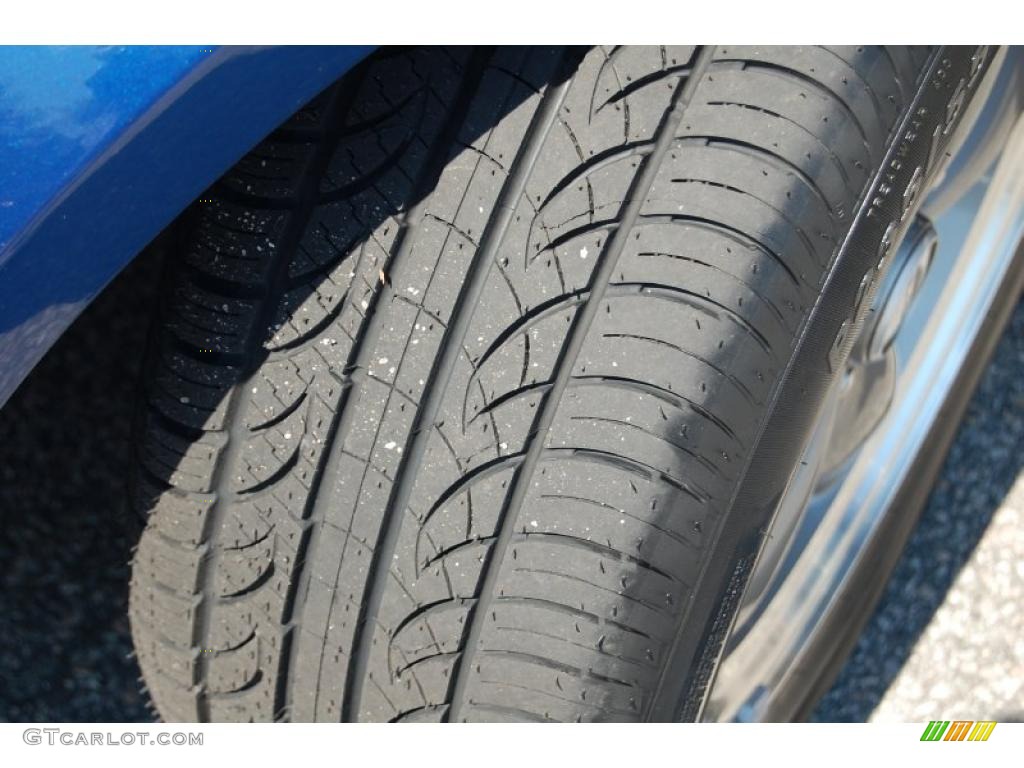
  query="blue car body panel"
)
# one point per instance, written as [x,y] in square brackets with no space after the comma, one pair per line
[100,148]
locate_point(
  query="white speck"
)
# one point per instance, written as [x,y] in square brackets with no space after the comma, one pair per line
[390,445]
[622,522]
[503,446]
[533,523]
[254,390]
[481,209]
[391,370]
[413,291]
[383,361]
[184,400]
[327,343]
[614,364]
[364,304]
[583,252]
[287,435]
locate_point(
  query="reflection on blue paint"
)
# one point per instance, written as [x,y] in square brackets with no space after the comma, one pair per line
[60,105]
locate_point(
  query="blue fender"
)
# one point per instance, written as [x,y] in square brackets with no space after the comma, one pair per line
[101,148]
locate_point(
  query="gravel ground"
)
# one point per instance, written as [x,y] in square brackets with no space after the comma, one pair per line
[65,530]
[66,535]
[976,674]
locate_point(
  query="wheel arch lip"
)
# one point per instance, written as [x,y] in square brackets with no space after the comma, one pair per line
[101,148]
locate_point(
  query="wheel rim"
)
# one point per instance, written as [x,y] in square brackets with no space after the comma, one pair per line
[928,312]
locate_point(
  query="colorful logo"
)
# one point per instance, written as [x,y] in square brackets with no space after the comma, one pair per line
[958,730]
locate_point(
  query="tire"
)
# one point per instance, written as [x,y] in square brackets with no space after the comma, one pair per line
[475,383]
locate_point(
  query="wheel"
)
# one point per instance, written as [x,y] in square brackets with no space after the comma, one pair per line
[478,384]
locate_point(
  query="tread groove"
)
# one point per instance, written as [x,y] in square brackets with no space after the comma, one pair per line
[570,349]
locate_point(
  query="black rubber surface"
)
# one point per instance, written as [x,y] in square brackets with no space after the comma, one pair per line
[914,155]
[64,636]
[454,402]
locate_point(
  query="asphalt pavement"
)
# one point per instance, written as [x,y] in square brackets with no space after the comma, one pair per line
[943,642]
